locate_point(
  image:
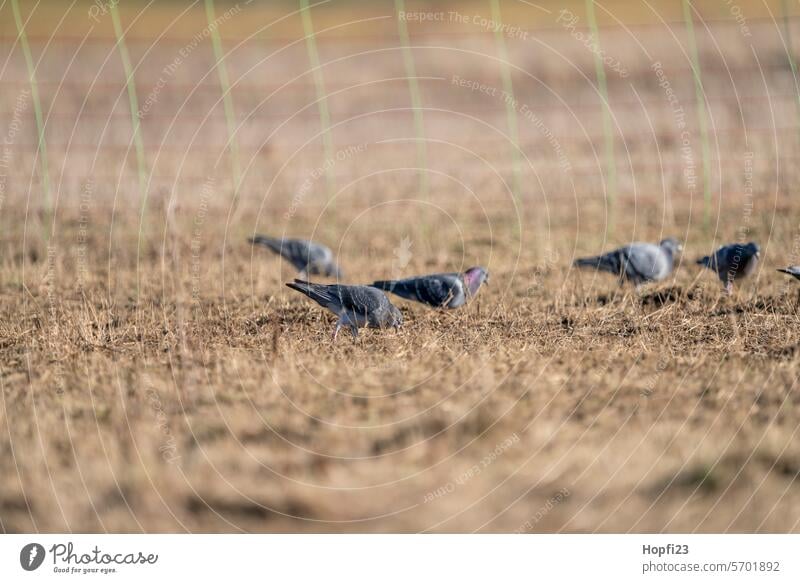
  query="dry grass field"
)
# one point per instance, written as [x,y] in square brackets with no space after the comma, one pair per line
[156,375]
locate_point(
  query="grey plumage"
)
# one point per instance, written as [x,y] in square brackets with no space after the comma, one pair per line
[793,270]
[308,257]
[439,290]
[637,262]
[732,262]
[356,306]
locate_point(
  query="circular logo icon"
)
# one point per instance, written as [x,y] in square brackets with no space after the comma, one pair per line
[31,556]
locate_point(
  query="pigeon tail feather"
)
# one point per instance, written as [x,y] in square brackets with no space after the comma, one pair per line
[269,242]
[599,262]
[316,292]
[704,261]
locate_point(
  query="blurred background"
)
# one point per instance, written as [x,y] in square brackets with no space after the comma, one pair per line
[150,101]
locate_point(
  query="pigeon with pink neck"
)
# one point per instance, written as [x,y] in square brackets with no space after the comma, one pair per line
[439,290]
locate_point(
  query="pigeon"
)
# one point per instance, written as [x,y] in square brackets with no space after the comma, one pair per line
[793,270]
[637,262]
[440,290]
[732,262]
[355,305]
[308,257]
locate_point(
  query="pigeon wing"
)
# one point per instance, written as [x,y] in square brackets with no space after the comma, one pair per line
[360,298]
[433,290]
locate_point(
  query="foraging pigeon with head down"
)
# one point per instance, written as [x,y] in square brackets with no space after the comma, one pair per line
[637,262]
[355,305]
[793,270]
[732,262]
[308,257]
[440,290]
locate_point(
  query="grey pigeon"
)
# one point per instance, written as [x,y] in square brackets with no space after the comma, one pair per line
[732,262]
[440,290]
[355,305]
[637,262]
[308,257]
[793,270]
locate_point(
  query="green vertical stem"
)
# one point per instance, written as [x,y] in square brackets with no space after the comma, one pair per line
[701,112]
[132,99]
[510,101]
[416,100]
[37,108]
[608,133]
[319,84]
[135,123]
[227,98]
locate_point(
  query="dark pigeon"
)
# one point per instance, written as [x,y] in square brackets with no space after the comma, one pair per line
[356,306]
[731,262]
[793,270]
[440,290]
[308,257]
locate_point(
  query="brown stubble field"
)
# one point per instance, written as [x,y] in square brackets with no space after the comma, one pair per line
[157,376]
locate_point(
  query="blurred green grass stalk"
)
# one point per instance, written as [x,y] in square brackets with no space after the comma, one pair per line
[701,112]
[44,169]
[136,126]
[608,133]
[416,100]
[319,85]
[227,99]
[510,101]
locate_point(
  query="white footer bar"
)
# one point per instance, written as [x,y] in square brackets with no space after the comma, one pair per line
[400,558]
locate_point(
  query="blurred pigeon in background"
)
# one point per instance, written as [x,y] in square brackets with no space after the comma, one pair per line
[308,258]
[793,270]
[355,305]
[732,262]
[440,290]
[638,262]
